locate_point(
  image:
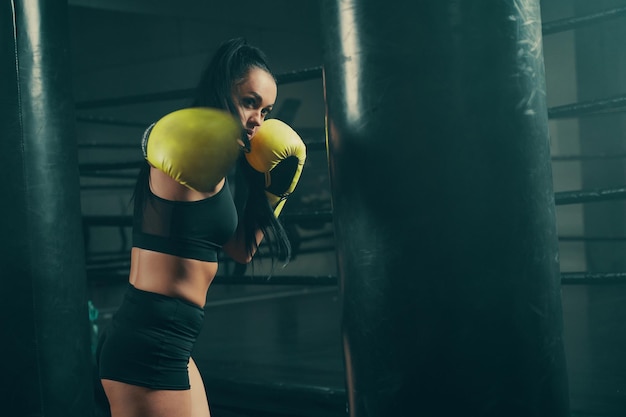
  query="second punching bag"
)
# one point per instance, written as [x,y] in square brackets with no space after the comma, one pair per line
[444,208]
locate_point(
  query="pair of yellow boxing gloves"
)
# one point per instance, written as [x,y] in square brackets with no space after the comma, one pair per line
[199,146]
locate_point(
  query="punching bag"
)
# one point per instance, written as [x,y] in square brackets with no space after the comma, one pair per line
[45,346]
[443,208]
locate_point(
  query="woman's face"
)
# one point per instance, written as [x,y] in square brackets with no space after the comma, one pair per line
[254,99]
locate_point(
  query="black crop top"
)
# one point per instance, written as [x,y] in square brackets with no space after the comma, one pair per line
[189,229]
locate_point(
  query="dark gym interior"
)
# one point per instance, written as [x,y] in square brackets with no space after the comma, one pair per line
[375,229]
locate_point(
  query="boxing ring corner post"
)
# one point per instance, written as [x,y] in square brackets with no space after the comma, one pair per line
[443,207]
[46,345]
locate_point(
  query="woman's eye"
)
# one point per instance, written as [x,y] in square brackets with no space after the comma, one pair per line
[248,102]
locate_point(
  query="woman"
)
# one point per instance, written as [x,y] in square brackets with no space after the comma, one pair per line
[144,357]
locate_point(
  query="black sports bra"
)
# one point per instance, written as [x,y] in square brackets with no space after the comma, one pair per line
[189,229]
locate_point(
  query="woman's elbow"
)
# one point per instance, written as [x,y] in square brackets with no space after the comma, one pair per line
[241,258]
[238,254]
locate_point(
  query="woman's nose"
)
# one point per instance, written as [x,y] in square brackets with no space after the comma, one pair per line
[256,118]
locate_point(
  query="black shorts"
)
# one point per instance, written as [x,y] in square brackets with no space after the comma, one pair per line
[149,341]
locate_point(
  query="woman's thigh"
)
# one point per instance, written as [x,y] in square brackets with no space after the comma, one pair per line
[128,400]
[199,401]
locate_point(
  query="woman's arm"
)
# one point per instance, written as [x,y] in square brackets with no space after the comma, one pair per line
[236,249]
[272,168]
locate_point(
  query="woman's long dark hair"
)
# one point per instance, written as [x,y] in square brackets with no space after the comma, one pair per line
[228,67]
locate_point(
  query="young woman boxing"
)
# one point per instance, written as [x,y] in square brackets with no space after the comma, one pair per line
[184,215]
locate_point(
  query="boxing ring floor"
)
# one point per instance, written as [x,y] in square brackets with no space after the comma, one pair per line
[273,351]
[276,350]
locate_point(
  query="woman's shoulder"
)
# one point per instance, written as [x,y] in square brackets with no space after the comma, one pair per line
[164,186]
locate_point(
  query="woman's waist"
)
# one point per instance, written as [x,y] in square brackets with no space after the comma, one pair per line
[170,275]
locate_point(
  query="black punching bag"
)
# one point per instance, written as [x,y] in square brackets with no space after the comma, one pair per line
[45,351]
[444,208]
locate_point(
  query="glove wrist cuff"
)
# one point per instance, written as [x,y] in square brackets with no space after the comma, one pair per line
[144,140]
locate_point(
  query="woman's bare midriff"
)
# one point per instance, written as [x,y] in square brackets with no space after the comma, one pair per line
[188,279]
[171,275]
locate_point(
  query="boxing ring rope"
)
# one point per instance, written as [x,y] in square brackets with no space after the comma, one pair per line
[563,25]
[185,93]
[119,273]
[94,168]
[291,217]
[593,278]
[574,158]
[589,196]
[109,121]
[589,108]
[592,239]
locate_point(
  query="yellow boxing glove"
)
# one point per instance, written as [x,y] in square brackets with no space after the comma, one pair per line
[277,151]
[195,146]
